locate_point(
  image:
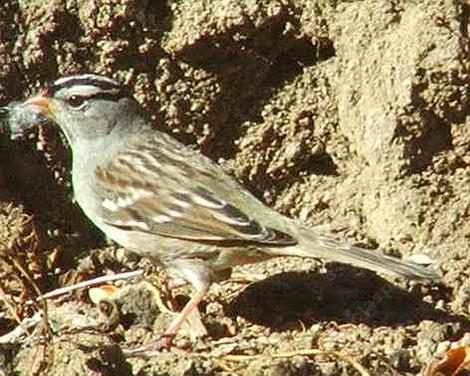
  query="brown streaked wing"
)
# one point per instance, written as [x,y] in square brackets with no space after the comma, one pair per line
[145,190]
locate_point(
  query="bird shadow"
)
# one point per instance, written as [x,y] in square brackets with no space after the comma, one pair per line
[343,295]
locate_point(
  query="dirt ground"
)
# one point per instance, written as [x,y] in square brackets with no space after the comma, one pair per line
[349,115]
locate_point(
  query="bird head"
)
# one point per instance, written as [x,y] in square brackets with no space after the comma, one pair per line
[87,107]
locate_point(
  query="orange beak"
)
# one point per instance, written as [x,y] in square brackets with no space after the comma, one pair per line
[41,104]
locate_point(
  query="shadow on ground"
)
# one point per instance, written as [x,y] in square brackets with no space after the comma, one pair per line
[345,295]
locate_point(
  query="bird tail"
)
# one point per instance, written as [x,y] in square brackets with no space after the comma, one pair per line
[313,245]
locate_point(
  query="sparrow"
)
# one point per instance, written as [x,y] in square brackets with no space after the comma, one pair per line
[166,201]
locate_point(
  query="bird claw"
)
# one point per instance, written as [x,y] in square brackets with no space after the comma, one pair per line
[164,342]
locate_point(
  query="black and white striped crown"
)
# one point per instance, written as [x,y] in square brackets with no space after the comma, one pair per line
[102,83]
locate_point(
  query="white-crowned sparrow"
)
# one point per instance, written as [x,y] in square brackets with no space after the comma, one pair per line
[166,201]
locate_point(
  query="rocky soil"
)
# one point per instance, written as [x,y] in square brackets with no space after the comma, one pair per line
[349,115]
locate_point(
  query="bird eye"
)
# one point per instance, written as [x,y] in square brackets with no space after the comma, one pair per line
[76,101]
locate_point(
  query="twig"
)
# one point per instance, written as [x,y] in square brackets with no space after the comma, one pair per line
[36,289]
[11,309]
[88,283]
[21,329]
[303,352]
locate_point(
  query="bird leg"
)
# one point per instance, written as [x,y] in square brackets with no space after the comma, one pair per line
[185,313]
[165,340]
